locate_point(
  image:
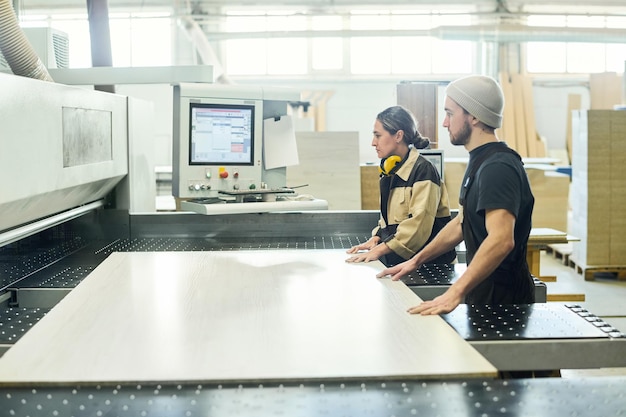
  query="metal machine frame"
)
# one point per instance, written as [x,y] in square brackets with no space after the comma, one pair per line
[60,222]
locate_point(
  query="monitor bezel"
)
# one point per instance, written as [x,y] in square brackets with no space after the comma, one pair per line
[250,107]
[432,155]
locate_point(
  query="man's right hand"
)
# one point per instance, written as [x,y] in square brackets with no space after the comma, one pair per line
[398,271]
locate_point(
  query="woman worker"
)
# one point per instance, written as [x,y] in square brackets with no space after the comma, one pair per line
[413,199]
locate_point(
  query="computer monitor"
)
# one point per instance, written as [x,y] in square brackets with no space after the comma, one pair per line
[435,156]
[221,134]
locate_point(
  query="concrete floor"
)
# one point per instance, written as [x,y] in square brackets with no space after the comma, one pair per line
[605,298]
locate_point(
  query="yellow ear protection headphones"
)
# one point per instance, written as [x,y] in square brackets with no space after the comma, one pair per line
[389,165]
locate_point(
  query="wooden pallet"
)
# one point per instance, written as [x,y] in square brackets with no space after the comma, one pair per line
[591,272]
[560,251]
[565,297]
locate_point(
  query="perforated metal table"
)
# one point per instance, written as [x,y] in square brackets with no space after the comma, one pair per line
[430,281]
[553,397]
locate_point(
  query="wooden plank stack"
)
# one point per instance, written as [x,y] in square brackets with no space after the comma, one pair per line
[370,190]
[573,103]
[599,190]
[550,188]
[518,125]
[551,191]
[605,90]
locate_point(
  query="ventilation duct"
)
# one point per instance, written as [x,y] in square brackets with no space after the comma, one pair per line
[15,47]
[508,33]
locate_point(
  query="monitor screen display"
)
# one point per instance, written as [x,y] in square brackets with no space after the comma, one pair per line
[221,134]
[435,157]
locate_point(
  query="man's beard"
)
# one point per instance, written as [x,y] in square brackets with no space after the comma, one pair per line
[461,138]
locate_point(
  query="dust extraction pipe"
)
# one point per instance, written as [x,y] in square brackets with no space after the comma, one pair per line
[16,48]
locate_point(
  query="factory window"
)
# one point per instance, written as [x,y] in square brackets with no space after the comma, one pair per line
[586,57]
[137,39]
[575,57]
[370,55]
[615,57]
[246,56]
[410,55]
[367,44]
[548,57]
[260,51]
[295,49]
[141,40]
[578,54]
[327,52]
[452,57]
[403,54]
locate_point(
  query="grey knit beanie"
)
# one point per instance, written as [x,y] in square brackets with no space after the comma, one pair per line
[480,96]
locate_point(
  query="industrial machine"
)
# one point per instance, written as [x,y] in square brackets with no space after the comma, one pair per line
[223,140]
[80,186]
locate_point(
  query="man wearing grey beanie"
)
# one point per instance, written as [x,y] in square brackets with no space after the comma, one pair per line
[496,205]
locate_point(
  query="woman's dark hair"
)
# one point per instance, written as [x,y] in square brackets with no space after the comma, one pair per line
[399,118]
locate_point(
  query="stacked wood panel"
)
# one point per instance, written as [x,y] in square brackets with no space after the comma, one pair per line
[370,190]
[518,124]
[550,188]
[551,191]
[599,188]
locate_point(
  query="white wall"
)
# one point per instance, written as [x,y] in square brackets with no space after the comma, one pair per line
[551,110]
[354,106]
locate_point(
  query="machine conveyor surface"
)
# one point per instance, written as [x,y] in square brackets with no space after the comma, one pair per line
[432,280]
[528,321]
[553,397]
[15,322]
[538,336]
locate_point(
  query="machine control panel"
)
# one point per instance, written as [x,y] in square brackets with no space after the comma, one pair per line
[218,135]
[201,188]
[223,179]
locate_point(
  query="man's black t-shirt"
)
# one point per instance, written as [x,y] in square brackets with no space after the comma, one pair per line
[500,182]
